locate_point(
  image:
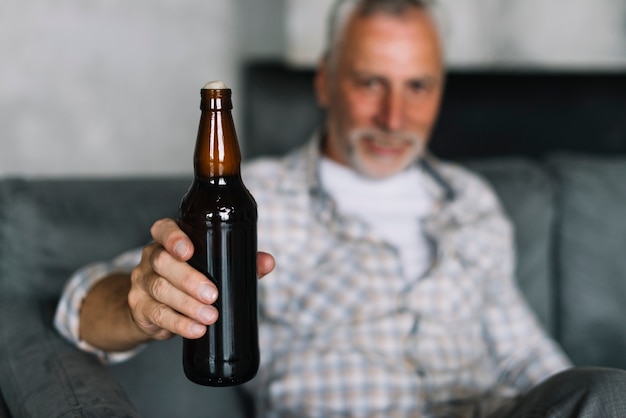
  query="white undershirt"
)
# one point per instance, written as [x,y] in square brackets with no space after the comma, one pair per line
[369,199]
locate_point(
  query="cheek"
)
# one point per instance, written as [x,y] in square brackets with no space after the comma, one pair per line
[360,109]
[423,114]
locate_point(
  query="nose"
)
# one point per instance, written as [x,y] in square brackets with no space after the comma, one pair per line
[390,116]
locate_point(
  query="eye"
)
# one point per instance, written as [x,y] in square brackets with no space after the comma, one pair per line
[370,83]
[417,86]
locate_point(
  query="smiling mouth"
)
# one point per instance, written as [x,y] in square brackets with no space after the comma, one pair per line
[385,144]
[385,147]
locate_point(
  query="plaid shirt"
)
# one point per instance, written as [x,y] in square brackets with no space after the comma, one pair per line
[345,334]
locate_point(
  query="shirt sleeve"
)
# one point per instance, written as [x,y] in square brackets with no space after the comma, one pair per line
[67,316]
[524,352]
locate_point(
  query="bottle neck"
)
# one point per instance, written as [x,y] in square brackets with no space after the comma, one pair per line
[217,152]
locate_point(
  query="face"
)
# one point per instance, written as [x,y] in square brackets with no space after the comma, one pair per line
[381,88]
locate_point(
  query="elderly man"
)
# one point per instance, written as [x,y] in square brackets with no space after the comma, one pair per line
[392,292]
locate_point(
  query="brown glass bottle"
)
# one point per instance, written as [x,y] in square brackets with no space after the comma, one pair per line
[219,215]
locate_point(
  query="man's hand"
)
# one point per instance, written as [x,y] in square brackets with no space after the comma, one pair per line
[163,296]
[167,295]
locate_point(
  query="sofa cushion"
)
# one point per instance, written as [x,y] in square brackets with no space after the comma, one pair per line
[49,228]
[527,196]
[592,258]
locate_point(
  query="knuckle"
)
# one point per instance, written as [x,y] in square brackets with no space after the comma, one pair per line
[159,314]
[135,276]
[145,252]
[133,299]
[159,259]
[159,288]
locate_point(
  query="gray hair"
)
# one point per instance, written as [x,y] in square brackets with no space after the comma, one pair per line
[343,9]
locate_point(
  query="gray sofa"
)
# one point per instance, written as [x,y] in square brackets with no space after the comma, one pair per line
[568,206]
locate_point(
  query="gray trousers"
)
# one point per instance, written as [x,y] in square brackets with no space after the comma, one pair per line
[577,392]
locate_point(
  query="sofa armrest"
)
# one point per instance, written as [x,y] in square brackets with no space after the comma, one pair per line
[41,375]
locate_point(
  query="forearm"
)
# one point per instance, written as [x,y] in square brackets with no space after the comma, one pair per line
[105,316]
[525,353]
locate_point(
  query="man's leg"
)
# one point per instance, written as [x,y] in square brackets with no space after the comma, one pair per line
[577,392]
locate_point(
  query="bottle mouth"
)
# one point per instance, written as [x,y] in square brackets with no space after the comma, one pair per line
[216,99]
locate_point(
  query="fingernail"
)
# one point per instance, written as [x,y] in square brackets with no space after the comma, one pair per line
[207,315]
[181,248]
[208,293]
[197,329]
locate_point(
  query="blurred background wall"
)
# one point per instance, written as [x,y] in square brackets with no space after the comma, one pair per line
[111,87]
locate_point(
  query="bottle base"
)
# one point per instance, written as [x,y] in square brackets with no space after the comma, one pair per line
[218,381]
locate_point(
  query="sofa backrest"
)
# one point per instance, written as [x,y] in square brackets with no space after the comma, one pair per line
[52,226]
[590,254]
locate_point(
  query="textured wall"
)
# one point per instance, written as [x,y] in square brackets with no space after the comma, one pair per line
[537,33]
[108,86]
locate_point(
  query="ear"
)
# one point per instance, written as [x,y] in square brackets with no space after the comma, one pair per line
[321,82]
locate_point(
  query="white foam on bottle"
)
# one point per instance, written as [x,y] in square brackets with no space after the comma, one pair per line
[215,85]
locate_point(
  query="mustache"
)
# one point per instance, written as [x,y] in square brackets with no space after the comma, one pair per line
[386,138]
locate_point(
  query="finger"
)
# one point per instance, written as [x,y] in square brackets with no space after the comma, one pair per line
[166,318]
[155,318]
[168,295]
[265,263]
[167,233]
[183,277]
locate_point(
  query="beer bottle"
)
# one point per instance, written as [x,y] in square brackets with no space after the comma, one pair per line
[219,215]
